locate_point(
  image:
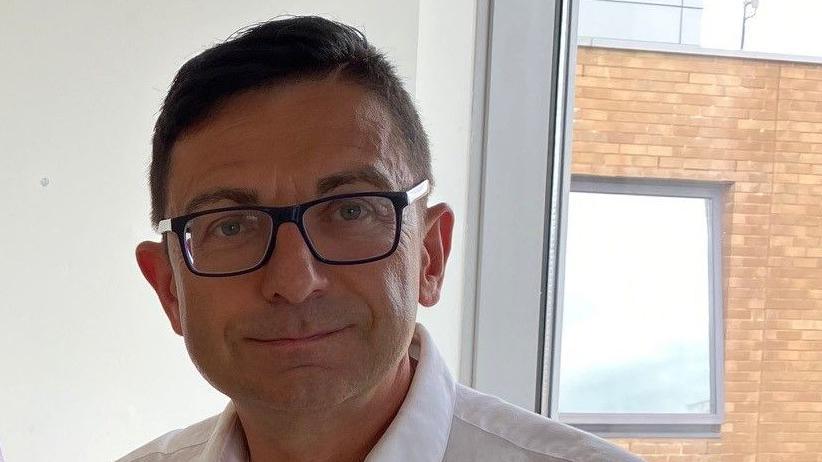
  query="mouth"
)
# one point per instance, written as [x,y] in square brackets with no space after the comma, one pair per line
[303,340]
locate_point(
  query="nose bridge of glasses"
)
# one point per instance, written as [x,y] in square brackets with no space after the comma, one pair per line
[283,215]
[280,215]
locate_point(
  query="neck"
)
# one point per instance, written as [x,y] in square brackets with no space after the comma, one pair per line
[344,433]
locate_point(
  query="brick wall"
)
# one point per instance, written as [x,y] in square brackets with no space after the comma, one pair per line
[758,126]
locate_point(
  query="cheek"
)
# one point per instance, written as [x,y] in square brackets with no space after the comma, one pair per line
[401,279]
[205,323]
[400,293]
[198,327]
[204,313]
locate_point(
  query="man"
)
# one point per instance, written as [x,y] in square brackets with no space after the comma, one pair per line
[289,181]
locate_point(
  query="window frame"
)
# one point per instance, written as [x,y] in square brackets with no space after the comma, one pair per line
[514,136]
[511,286]
[658,424]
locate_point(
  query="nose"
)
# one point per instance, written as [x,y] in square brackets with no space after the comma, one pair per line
[291,275]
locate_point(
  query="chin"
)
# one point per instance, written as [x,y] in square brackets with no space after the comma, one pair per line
[300,389]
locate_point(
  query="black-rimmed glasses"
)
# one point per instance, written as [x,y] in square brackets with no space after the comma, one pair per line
[345,229]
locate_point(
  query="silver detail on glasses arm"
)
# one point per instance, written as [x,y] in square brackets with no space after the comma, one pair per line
[164,226]
[417,192]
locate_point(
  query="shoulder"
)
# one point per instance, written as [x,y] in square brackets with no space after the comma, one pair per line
[487,428]
[178,445]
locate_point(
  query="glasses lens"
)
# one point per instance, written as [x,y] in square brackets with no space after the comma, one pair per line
[227,242]
[350,229]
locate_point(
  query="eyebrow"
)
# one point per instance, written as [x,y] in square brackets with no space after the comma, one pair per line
[239,196]
[243,196]
[367,174]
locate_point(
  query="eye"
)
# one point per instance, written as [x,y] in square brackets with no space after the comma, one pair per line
[230,228]
[350,211]
[234,225]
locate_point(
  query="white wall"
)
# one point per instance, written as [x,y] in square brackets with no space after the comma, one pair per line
[90,368]
[445,73]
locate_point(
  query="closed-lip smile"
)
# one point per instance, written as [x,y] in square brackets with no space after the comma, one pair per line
[299,340]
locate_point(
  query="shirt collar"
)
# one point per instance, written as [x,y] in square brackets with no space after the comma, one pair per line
[418,433]
[420,430]
[227,442]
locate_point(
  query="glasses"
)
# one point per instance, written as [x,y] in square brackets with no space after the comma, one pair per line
[346,229]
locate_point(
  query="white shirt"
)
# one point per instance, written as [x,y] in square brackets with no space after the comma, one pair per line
[440,420]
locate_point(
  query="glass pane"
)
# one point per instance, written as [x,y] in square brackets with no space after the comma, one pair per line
[635,337]
[356,228]
[635,326]
[646,2]
[691,24]
[226,242]
[629,21]
[715,24]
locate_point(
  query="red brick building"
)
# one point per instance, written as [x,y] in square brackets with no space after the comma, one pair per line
[755,126]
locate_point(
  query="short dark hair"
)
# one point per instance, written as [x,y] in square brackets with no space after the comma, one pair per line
[281,51]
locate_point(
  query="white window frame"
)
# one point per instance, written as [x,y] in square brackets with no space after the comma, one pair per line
[521,50]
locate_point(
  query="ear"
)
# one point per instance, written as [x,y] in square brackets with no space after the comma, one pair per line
[154,263]
[439,224]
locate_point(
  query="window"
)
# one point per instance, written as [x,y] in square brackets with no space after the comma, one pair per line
[566,120]
[665,21]
[640,330]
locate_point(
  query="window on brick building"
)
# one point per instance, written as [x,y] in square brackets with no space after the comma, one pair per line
[576,130]
[638,345]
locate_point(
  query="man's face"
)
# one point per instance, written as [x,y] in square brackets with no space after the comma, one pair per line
[280,147]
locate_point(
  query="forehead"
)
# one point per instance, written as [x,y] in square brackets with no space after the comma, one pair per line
[280,141]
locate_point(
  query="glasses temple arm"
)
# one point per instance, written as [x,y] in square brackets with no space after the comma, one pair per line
[164,226]
[417,192]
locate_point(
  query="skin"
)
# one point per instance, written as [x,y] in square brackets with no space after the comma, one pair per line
[329,399]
